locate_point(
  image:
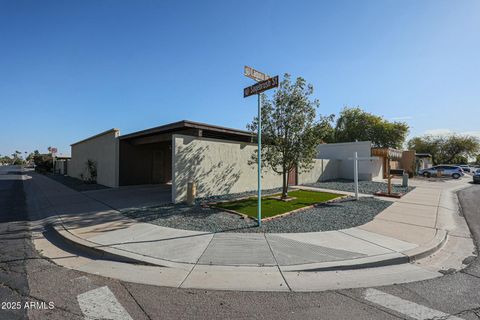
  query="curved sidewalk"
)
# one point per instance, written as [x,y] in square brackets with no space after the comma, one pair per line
[412,227]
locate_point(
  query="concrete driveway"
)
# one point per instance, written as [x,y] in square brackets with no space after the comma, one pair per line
[133,196]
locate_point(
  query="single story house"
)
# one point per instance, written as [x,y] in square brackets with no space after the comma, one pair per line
[215,158]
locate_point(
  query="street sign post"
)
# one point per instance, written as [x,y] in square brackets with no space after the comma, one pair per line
[261,86]
[264,83]
[255,74]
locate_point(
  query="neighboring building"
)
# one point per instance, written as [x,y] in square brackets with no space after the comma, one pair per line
[60,164]
[423,161]
[103,150]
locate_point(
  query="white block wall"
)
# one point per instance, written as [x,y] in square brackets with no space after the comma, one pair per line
[367,169]
[323,170]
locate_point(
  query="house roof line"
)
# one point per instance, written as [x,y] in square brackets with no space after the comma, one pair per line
[185,124]
[97,135]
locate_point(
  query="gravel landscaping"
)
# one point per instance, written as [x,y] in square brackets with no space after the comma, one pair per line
[366,187]
[341,214]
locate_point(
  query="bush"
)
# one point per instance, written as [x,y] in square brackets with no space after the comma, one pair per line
[43,162]
[92,171]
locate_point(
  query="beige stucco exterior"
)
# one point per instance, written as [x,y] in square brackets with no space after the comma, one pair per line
[216,166]
[101,148]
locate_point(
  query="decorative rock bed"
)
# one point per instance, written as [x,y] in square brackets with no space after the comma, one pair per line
[342,214]
[366,187]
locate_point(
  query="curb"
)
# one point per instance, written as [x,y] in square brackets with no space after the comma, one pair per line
[110,253]
[389,259]
[393,258]
[441,237]
[92,248]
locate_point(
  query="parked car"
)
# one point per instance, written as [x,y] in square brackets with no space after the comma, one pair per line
[446,171]
[465,168]
[476,176]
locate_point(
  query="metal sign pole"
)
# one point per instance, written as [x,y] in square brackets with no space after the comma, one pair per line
[259,141]
[264,83]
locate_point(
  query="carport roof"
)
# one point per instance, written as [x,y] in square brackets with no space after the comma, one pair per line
[185,125]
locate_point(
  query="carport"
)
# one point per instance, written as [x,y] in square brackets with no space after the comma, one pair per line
[145,157]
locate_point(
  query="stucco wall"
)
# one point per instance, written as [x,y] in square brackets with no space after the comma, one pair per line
[323,170]
[103,149]
[367,169]
[217,167]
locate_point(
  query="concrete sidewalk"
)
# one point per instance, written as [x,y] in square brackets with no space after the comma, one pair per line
[412,227]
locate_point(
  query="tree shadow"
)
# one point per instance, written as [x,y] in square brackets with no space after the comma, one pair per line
[200,164]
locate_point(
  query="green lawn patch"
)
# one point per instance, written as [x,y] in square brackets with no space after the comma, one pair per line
[274,207]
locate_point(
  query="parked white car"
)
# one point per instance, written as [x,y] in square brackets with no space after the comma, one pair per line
[445,170]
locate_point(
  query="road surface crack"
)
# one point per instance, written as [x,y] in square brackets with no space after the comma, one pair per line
[136,301]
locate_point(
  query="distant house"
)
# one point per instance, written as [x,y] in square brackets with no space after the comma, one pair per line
[423,161]
[60,164]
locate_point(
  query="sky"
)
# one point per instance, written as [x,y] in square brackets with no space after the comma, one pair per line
[72,69]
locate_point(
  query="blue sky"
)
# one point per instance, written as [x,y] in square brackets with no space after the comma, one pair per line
[71,69]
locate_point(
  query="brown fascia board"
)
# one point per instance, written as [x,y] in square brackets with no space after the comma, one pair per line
[185,124]
[96,136]
[205,126]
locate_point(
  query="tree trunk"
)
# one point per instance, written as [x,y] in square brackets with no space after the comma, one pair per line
[284,184]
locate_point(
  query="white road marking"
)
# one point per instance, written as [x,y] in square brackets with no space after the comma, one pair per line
[101,303]
[405,307]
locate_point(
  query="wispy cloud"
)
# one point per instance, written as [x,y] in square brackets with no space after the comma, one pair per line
[448,132]
[439,132]
[472,133]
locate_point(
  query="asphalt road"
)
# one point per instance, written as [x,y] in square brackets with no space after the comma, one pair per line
[26,277]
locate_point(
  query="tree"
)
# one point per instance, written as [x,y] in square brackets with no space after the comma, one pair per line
[289,138]
[354,124]
[451,149]
[5,160]
[16,158]
[31,156]
[477,160]
[325,129]
[43,162]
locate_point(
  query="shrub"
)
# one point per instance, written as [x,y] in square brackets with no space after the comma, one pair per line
[92,171]
[43,162]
